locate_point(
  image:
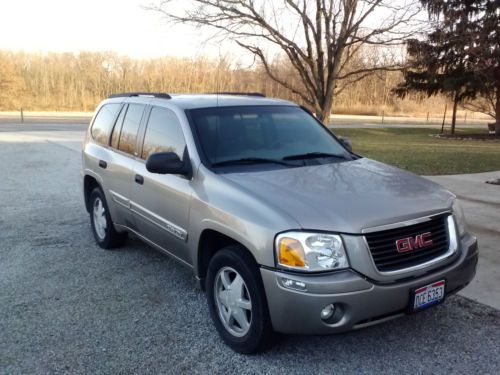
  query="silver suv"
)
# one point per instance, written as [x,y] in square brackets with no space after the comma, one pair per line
[285,228]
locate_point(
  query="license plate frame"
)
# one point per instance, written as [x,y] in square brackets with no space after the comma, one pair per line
[414,307]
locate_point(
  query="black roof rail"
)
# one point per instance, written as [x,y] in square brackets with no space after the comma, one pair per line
[160,95]
[258,94]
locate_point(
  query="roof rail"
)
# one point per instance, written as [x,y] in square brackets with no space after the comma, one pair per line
[240,93]
[160,95]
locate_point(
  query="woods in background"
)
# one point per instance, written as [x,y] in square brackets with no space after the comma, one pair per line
[77,82]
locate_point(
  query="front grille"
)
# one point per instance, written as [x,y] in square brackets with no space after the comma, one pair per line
[386,256]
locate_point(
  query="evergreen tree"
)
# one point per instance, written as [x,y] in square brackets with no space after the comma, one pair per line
[460,57]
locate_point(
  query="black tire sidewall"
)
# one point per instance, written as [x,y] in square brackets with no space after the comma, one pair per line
[105,243]
[259,334]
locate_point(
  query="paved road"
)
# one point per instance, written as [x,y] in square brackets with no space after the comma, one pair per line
[399,126]
[7,127]
[336,121]
[45,118]
[67,306]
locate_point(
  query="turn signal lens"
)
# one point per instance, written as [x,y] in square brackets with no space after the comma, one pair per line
[291,252]
[310,251]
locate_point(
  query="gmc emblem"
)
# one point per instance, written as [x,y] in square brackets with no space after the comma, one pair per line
[411,243]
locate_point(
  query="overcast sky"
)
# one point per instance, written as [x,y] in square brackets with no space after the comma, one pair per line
[102,25]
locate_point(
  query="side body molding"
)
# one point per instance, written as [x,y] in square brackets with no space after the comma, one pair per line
[157,220]
[120,199]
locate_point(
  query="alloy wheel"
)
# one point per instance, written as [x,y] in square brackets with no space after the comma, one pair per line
[233,301]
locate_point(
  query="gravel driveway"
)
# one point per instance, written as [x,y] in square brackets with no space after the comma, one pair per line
[67,306]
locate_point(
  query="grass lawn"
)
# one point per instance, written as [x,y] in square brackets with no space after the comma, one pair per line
[414,150]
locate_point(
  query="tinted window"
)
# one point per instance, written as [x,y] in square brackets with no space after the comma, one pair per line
[130,127]
[101,128]
[118,128]
[163,134]
[272,132]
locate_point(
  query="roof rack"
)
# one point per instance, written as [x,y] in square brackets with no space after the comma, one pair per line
[160,95]
[258,94]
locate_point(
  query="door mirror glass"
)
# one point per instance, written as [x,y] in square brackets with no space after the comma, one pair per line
[167,163]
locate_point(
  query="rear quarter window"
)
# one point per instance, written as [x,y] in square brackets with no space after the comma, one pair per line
[103,122]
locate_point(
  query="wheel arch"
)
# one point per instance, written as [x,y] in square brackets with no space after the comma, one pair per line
[89,184]
[210,242]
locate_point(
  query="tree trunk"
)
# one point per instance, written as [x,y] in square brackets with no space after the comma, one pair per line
[324,115]
[454,115]
[325,110]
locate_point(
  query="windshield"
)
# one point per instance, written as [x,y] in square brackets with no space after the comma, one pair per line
[253,133]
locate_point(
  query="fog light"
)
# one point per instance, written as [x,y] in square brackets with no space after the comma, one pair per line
[327,311]
[293,284]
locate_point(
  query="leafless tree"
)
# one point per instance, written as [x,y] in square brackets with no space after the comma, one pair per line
[318,37]
[79,81]
[11,84]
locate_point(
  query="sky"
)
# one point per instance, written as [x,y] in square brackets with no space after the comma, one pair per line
[94,25]
[122,26]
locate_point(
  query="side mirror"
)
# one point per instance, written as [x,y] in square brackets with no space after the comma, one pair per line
[346,142]
[167,163]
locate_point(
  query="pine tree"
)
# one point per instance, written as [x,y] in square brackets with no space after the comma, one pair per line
[460,57]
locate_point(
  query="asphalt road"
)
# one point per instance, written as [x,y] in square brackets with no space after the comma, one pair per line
[61,118]
[7,127]
[67,306]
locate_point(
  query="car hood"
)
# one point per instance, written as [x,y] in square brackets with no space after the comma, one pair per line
[346,197]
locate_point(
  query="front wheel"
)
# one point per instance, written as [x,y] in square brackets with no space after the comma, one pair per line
[237,301]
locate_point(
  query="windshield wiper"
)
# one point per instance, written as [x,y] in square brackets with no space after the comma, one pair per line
[312,155]
[243,161]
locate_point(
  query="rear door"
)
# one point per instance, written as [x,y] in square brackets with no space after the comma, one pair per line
[121,163]
[99,157]
[160,203]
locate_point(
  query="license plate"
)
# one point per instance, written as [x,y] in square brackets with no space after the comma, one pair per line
[428,295]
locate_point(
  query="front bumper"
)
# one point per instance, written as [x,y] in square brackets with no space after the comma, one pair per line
[359,302]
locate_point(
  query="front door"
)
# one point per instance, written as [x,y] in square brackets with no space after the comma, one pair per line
[160,203]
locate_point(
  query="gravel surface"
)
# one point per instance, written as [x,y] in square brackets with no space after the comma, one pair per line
[67,306]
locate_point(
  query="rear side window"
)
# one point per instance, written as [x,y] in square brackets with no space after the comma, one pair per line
[115,135]
[163,134]
[131,122]
[103,122]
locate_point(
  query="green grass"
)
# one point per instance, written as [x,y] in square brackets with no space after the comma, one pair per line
[416,151]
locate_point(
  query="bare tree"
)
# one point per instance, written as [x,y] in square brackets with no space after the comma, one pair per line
[11,84]
[79,81]
[318,37]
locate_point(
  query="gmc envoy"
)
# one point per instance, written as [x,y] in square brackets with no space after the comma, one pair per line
[285,228]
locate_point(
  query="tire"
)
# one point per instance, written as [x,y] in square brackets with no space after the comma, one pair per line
[100,220]
[234,307]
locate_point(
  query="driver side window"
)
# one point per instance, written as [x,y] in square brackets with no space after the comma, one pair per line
[163,134]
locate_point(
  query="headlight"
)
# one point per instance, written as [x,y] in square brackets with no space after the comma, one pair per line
[458,213]
[310,251]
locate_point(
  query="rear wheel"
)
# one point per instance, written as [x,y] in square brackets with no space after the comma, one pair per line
[102,226]
[237,301]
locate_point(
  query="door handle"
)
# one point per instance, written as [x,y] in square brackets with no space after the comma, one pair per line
[103,164]
[139,179]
